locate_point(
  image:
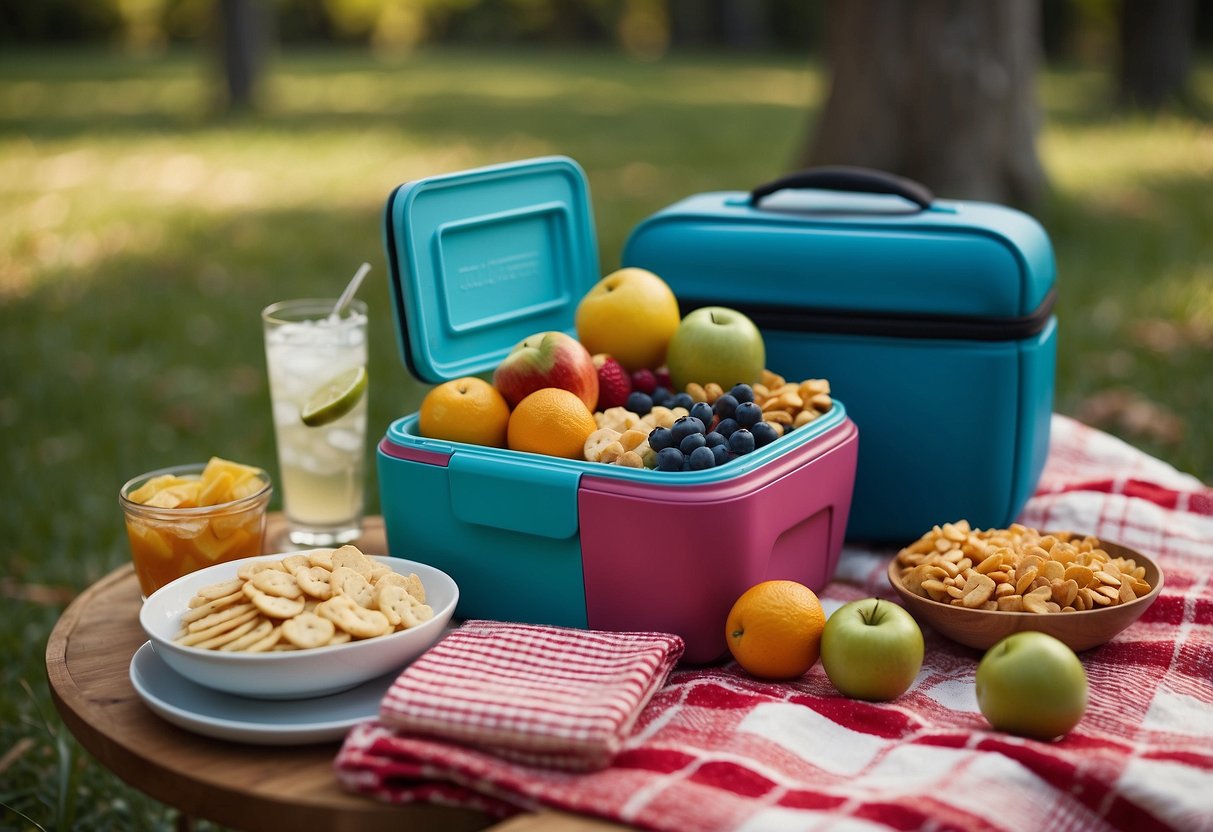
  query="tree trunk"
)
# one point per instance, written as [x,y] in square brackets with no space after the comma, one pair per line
[941,91]
[1155,52]
[242,35]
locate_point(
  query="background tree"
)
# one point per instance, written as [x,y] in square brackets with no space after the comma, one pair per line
[1156,38]
[941,91]
[242,44]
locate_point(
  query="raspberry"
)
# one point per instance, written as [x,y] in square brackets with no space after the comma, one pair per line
[614,385]
[663,378]
[644,381]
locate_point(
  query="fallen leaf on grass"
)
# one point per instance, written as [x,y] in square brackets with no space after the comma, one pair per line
[48,596]
[15,753]
[1167,337]
[1133,413]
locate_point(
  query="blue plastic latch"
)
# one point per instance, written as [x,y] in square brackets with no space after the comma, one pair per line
[518,496]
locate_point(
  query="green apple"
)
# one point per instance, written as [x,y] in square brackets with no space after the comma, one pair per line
[717,344]
[871,649]
[1033,685]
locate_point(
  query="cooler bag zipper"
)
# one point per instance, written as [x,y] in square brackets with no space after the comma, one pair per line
[890,324]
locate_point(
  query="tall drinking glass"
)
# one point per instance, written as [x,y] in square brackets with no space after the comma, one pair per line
[310,356]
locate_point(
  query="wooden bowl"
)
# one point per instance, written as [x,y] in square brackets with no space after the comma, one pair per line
[1079,630]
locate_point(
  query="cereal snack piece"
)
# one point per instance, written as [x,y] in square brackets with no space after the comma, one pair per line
[273,582]
[225,614]
[411,583]
[199,636]
[346,581]
[269,642]
[321,557]
[251,568]
[216,591]
[599,441]
[260,631]
[308,630]
[631,440]
[354,559]
[356,620]
[274,606]
[340,637]
[217,642]
[400,607]
[205,609]
[291,562]
[378,570]
[314,581]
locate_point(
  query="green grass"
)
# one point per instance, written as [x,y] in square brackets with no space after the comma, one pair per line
[140,236]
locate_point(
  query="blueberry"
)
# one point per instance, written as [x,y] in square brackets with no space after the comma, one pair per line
[725,427]
[684,427]
[741,442]
[764,434]
[748,414]
[725,406]
[702,458]
[661,438]
[714,438]
[662,397]
[670,459]
[742,393]
[721,452]
[639,403]
[683,400]
[703,412]
[692,442]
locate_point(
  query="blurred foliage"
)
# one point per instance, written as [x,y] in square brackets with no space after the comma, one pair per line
[1083,30]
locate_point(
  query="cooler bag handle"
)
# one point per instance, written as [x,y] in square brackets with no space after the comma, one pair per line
[846,178]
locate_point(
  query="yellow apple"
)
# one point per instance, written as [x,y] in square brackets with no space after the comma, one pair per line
[630,314]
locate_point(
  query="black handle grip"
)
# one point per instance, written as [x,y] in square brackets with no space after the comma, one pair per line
[853,179]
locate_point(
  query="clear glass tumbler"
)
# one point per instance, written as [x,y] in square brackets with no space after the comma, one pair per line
[320,465]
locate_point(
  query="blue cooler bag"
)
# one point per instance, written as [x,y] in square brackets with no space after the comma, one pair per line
[932,320]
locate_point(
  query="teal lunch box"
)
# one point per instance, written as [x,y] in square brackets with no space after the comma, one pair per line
[932,320]
[480,260]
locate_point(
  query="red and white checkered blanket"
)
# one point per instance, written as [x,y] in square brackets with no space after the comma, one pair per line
[717,750]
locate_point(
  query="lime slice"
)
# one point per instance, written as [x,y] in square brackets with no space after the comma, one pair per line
[335,398]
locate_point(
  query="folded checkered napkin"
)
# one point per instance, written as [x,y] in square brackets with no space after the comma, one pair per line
[544,696]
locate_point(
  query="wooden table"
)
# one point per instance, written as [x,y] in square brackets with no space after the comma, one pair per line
[243,786]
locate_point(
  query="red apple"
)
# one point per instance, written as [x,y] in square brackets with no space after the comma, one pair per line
[547,359]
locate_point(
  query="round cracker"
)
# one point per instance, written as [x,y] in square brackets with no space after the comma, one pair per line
[272,582]
[354,619]
[275,606]
[308,630]
[315,581]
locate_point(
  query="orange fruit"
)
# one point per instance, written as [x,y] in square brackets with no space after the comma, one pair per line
[774,629]
[551,421]
[630,314]
[465,410]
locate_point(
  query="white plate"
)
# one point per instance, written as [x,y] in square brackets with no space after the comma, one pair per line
[226,716]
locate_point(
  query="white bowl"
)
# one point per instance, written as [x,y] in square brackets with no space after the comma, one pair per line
[295,674]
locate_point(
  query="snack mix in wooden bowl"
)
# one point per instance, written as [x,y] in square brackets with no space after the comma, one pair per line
[977,586]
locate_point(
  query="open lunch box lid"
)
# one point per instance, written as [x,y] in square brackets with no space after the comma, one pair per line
[480,259]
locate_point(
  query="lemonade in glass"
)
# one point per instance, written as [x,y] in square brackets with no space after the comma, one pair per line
[317,375]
